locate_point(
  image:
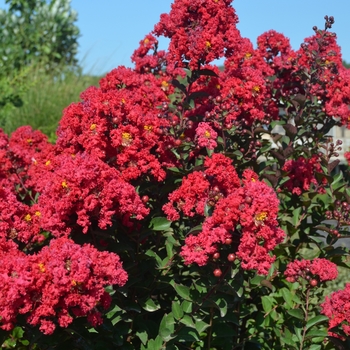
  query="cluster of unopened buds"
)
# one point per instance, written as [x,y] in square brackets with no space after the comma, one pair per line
[230,257]
[334,148]
[214,196]
[341,213]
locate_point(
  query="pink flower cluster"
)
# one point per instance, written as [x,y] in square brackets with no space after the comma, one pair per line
[120,124]
[337,308]
[199,33]
[45,193]
[321,269]
[245,211]
[61,282]
[127,133]
[301,173]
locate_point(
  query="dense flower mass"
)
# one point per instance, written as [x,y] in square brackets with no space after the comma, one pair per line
[85,188]
[250,205]
[177,137]
[322,269]
[301,173]
[198,32]
[337,308]
[63,281]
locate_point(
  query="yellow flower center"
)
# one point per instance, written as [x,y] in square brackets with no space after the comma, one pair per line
[126,136]
[218,86]
[29,140]
[148,127]
[207,134]
[37,213]
[256,88]
[208,44]
[93,127]
[126,139]
[146,41]
[123,101]
[42,267]
[48,163]
[261,216]
[64,184]
[247,55]
[28,218]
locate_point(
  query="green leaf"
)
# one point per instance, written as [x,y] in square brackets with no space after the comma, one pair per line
[143,335]
[166,327]
[315,347]
[174,170]
[255,281]
[298,333]
[186,306]
[177,310]
[195,230]
[182,291]
[297,313]
[267,303]
[317,333]
[188,321]
[221,305]
[315,320]
[187,335]
[160,224]
[201,326]
[158,344]
[287,296]
[287,337]
[17,332]
[296,215]
[150,306]
[169,249]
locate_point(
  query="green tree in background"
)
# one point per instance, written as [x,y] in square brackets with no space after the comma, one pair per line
[346,64]
[39,71]
[37,31]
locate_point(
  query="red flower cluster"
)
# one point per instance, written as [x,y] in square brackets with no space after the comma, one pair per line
[45,193]
[322,269]
[337,308]
[301,173]
[199,32]
[139,123]
[63,281]
[250,205]
[120,123]
[206,136]
[83,188]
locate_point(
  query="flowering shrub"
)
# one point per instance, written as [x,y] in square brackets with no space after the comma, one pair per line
[184,206]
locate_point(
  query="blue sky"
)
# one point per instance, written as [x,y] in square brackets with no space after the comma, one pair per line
[111,29]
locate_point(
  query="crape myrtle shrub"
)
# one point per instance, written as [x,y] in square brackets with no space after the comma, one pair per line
[183,206]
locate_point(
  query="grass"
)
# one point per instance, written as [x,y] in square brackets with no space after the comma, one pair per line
[44,101]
